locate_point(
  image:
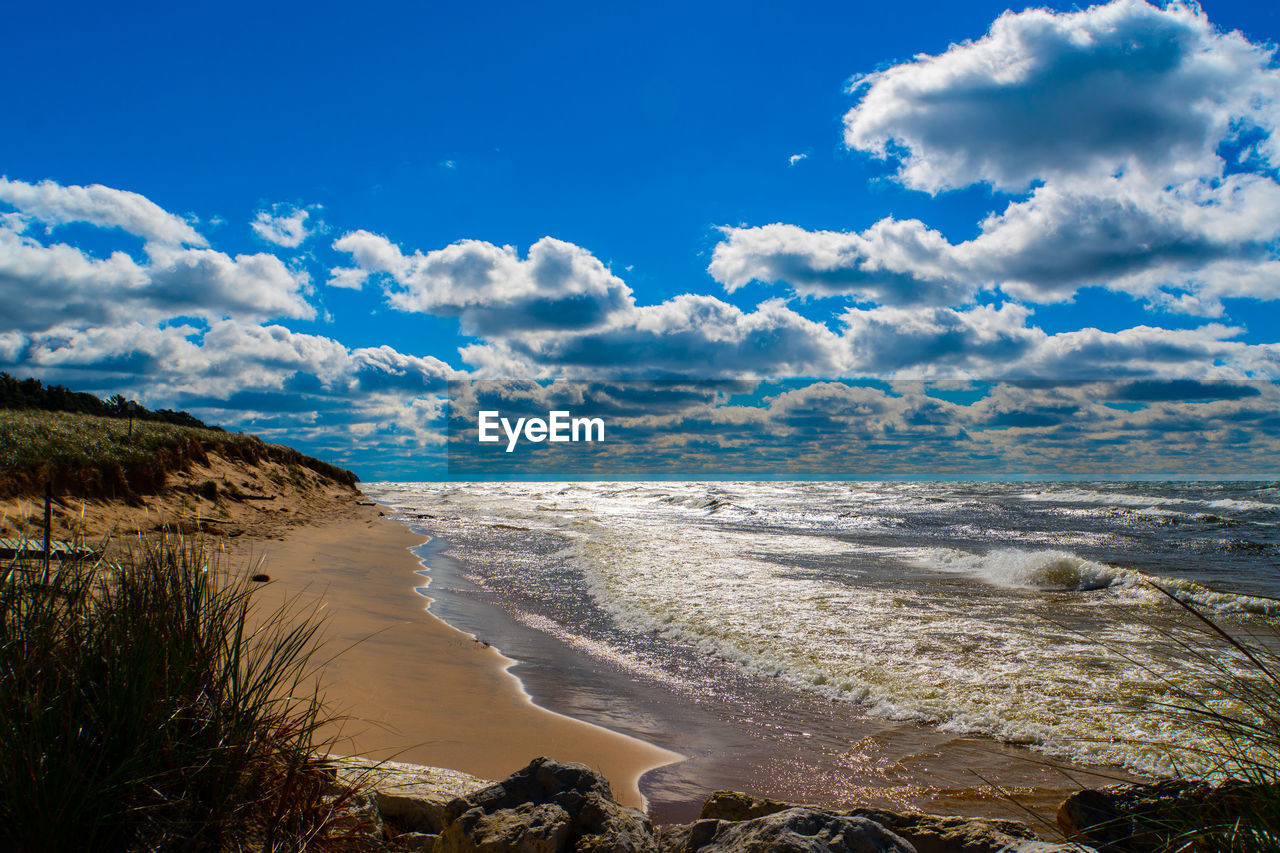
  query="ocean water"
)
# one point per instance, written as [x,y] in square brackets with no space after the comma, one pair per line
[945,614]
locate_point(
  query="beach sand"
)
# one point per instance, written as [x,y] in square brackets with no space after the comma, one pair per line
[414,688]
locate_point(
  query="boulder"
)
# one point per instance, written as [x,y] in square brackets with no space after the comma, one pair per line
[794,830]
[410,797]
[925,832]
[734,805]
[412,842]
[526,828]
[1147,817]
[595,823]
[930,833]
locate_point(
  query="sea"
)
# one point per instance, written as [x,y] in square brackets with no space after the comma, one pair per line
[967,646]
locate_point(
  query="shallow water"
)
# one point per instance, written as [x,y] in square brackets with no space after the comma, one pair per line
[850,642]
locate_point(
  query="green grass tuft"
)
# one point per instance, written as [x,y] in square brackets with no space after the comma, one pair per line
[93,456]
[147,704]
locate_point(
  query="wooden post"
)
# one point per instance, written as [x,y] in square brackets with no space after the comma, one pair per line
[48,522]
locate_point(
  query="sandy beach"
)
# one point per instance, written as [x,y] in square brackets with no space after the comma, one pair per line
[414,688]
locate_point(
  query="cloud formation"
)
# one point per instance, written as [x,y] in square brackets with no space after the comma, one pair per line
[1125,87]
[1145,142]
[283,225]
[55,284]
[104,207]
[490,289]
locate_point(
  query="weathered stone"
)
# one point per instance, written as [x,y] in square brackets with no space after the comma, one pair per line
[733,805]
[596,823]
[413,842]
[795,830]
[607,827]
[949,834]
[542,781]
[927,833]
[526,828]
[410,797]
[1140,818]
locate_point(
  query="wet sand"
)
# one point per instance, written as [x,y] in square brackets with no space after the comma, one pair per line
[413,688]
[742,733]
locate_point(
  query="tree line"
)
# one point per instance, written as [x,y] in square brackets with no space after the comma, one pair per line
[33,394]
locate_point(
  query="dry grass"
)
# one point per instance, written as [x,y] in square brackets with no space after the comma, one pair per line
[92,456]
[147,704]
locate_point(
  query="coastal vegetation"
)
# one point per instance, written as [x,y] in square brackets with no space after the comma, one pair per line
[87,447]
[1236,701]
[152,702]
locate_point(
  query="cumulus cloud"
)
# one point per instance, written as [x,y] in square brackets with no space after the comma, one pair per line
[893,262]
[54,204]
[347,278]
[489,288]
[42,285]
[1121,87]
[228,358]
[282,225]
[1146,139]
[982,341]
[688,335]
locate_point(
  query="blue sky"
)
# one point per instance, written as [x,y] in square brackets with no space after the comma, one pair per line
[825,190]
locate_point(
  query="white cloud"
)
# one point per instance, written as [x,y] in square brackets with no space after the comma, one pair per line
[229,358]
[1125,86]
[283,225]
[347,278]
[892,262]
[42,285]
[687,335]
[983,341]
[1126,115]
[489,288]
[54,204]
[796,158]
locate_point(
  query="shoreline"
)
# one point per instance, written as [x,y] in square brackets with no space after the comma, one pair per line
[414,688]
[768,747]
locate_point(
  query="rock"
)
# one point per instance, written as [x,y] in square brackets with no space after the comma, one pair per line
[1139,818]
[410,797]
[412,842]
[596,823]
[925,832]
[949,834]
[794,830]
[732,805]
[542,781]
[526,828]
[607,827]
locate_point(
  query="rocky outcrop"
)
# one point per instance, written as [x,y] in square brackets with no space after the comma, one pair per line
[925,833]
[410,798]
[949,834]
[795,830]
[524,828]
[547,807]
[1141,818]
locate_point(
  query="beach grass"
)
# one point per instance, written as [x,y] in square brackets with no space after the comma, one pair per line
[1222,792]
[1236,703]
[153,703]
[106,457]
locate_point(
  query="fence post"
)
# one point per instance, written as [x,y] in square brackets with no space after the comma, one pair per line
[48,522]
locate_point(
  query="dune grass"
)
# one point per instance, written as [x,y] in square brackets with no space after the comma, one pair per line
[150,703]
[95,456]
[1236,703]
[1223,793]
